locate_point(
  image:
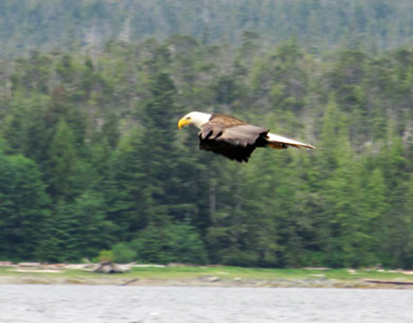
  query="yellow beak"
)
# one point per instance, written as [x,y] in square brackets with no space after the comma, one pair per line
[183,122]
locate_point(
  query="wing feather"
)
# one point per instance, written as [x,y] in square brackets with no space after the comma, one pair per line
[234,142]
[242,135]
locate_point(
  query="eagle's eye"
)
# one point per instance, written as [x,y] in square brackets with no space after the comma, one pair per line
[188,118]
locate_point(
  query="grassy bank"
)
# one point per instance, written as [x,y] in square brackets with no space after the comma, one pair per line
[212,276]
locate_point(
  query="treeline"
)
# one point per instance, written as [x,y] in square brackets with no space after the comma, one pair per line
[91,158]
[72,24]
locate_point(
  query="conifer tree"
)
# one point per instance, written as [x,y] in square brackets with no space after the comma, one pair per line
[24,208]
[64,166]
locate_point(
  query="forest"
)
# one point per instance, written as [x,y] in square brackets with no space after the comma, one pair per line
[92,161]
[318,24]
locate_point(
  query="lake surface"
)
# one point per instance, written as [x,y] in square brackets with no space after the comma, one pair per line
[127,304]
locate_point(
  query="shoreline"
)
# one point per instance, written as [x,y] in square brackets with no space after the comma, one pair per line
[215,276]
[200,282]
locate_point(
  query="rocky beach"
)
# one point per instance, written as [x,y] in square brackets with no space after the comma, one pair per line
[202,276]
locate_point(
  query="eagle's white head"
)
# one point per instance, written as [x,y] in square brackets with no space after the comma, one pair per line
[198,119]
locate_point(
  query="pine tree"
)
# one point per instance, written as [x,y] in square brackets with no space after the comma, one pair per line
[76,229]
[159,155]
[124,189]
[24,208]
[64,166]
[375,208]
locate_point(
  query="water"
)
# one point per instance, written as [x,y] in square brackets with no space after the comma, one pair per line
[127,304]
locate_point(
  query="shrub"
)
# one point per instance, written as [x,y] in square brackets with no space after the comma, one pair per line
[174,243]
[123,253]
[105,256]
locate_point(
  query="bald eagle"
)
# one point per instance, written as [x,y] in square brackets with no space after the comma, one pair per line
[233,138]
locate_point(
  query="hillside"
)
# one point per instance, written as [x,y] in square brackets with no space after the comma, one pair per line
[317,24]
[91,158]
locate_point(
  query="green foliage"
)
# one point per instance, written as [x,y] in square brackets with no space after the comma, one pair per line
[23,208]
[123,190]
[174,243]
[63,162]
[106,256]
[91,158]
[152,245]
[123,253]
[76,229]
[186,245]
[315,24]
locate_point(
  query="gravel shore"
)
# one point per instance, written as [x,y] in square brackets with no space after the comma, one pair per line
[199,282]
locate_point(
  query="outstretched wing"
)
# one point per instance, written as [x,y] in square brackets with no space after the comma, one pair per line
[234,142]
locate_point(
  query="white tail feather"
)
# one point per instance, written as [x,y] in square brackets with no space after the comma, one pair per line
[276,139]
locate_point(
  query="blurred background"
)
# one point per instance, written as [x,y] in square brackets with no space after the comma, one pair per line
[92,162]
